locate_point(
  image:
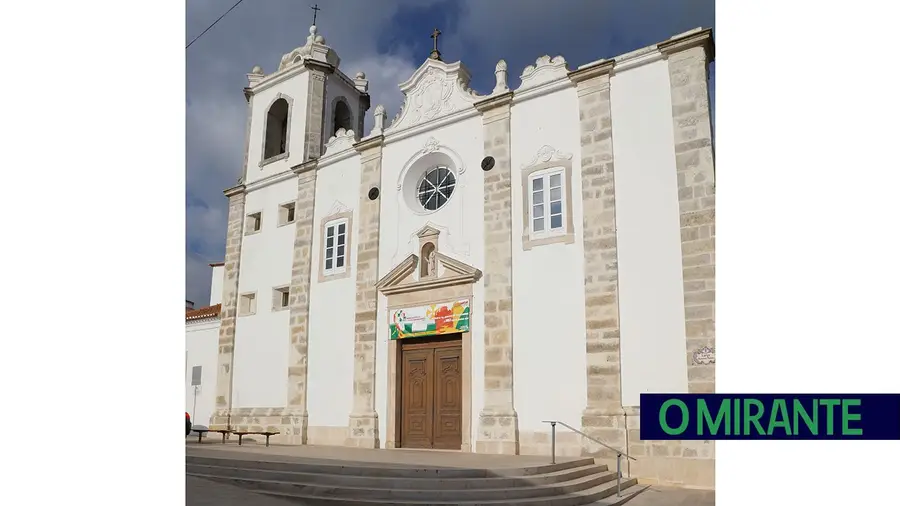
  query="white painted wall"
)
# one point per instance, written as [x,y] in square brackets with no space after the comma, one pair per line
[215,289]
[549,364]
[333,303]
[296,87]
[261,340]
[461,222]
[651,294]
[202,347]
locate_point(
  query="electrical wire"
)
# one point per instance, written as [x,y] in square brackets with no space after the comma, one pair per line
[214,23]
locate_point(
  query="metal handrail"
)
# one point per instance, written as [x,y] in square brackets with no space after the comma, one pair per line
[619,453]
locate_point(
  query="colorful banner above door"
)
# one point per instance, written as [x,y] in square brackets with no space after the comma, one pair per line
[433,320]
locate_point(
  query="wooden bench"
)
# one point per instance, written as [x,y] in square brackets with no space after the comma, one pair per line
[267,433]
[224,430]
[200,432]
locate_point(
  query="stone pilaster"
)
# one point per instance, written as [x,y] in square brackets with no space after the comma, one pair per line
[233,238]
[314,139]
[249,96]
[498,427]
[688,59]
[689,463]
[364,419]
[603,416]
[295,415]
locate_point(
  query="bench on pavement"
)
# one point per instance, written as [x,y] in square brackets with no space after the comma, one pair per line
[200,430]
[221,429]
[268,432]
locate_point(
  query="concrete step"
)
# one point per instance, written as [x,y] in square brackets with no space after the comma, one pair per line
[604,493]
[371,469]
[333,482]
[421,482]
[392,489]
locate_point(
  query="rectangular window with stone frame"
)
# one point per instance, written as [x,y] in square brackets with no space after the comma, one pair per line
[286,213]
[335,248]
[281,297]
[247,304]
[254,223]
[548,206]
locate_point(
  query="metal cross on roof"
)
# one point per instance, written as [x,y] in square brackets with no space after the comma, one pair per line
[435,54]
[316,10]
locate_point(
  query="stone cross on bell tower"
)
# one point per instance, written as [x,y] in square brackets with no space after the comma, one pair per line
[435,54]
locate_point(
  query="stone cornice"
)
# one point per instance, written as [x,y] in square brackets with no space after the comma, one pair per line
[398,273]
[428,284]
[591,71]
[323,67]
[368,143]
[277,77]
[494,101]
[270,180]
[392,283]
[542,90]
[307,166]
[702,38]
[248,92]
[456,117]
[234,190]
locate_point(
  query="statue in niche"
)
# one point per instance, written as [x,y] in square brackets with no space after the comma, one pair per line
[428,261]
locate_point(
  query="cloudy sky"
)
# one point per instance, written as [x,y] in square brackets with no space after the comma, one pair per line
[388,40]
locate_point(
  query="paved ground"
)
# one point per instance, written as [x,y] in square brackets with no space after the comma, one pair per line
[369,458]
[200,492]
[657,495]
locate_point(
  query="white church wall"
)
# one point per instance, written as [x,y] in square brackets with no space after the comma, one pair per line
[651,298]
[461,225]
[202,347]
[215,288]
[295,87]
[336,86]
[332,306]
[549,358]
[261,339]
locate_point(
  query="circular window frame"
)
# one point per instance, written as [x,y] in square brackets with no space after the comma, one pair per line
[415,169]
[421,179]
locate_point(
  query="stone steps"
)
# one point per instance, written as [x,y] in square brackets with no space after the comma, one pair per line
[425,482]
[571,483]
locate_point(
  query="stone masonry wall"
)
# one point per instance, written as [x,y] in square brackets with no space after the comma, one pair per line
[233,237]
[603,417]
[364,420]
[313,141]
[689,463]
[301,270]
[498,430]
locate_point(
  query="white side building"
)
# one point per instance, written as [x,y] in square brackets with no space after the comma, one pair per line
[201,338]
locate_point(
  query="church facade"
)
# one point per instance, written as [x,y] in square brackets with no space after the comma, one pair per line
[481,264]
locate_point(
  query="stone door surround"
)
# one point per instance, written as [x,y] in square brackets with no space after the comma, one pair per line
[405,286]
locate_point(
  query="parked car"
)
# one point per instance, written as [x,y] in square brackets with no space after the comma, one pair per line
[187,421]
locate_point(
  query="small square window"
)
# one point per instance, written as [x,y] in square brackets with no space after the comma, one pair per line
[286,213]
[335,247]
[281,298]
[248,304]
[254,222]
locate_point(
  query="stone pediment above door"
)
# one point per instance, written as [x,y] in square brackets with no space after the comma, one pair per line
[427,270]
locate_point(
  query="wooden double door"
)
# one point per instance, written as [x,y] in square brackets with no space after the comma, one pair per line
[431,393]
